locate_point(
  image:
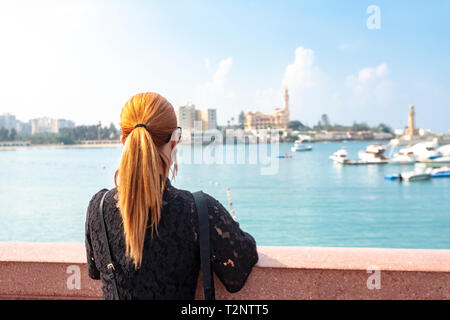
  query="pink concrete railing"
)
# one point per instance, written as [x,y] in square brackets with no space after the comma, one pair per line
[49,271]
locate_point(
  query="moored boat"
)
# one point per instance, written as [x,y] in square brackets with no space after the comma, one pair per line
[436,161]
[299,147]
[443,172]
[444,150]
[374,154]
[403,157]
[416,175]
[340,156]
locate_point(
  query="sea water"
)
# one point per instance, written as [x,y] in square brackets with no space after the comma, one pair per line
[307,201]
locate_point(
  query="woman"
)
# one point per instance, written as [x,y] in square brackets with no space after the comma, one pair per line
[153,226]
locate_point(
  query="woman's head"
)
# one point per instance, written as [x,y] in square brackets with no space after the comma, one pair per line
[147,121]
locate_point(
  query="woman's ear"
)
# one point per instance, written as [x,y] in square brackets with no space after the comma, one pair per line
[173,144]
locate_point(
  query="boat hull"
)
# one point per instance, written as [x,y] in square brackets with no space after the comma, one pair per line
[417,178]
[436,163]
[294,149]
[364,162]
[441,175]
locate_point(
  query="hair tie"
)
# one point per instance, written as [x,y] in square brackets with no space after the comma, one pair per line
[140,125]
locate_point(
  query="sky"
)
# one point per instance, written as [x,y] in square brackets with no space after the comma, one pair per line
[82,60]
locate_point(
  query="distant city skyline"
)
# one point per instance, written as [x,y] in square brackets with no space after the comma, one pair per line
[9,122]
[83,60]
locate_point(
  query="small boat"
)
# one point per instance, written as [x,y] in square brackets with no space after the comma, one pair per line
[443,172]
[374,154]
[425,151]
[392,176]
[340,156]
[299,147]
[436,161]
[414,176]
[419,173]
[403,157]
[444,150]
[284,156]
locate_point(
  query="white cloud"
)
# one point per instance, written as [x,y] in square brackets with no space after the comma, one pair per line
[371,83]
[212,93]
[208,64]
[302,73]
[309,88]
[313,92]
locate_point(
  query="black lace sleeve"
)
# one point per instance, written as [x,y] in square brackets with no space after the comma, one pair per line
[94,273]
[233,250]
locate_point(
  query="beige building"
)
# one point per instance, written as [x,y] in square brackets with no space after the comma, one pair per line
[277,120]
[208,118]
[187,115]
[42,125]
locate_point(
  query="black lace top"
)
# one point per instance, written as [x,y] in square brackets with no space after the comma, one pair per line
[171,260]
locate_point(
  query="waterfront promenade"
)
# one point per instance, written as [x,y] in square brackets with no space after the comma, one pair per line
[30,270]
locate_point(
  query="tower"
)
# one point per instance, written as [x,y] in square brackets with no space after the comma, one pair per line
[411,129]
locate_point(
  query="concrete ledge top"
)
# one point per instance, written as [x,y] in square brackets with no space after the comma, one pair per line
[332,258]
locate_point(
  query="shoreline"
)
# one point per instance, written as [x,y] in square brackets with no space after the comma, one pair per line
[118,144]
[61,146]
[108,145]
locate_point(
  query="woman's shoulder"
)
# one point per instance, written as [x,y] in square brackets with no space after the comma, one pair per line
[94,203]
[188,196]
[97,196]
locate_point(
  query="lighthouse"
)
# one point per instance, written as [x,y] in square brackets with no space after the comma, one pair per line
[411,129]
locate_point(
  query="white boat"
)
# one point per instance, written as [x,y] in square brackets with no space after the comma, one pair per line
[437,161]
[416,175]
[425,151]
[299,146]
[404,156]
[444,150]
[374,154]
[340,156]
[440,171]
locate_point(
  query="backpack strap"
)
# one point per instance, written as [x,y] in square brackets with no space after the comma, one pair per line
[204,241]
[110,266]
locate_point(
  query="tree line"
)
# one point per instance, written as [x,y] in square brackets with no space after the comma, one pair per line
[325,124]
[65,135]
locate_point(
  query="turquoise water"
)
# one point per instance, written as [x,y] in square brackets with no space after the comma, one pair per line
[310,201]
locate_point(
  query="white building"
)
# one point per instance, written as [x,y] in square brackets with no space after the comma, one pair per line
[23,127]
[7,121]
[63,123]
[44,125]
[48,125]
